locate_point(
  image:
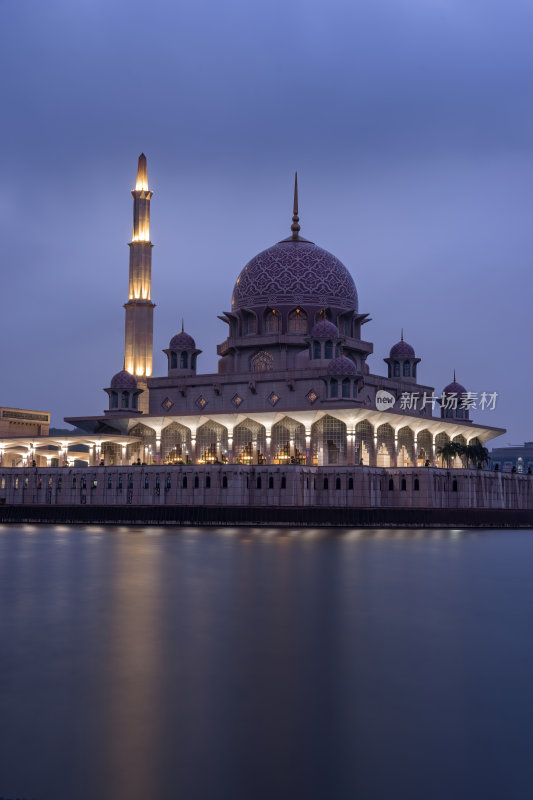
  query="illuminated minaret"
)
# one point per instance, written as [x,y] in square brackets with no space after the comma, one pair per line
[138,349]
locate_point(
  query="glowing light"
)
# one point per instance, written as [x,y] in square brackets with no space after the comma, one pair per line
[140,370]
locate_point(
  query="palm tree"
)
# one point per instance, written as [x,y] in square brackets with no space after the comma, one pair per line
[447,452]
[479,454]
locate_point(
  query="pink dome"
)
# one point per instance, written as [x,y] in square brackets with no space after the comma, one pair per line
[342,366]
[293,273]
[402,350]
[182,341]
[123,380]
[325,330]
[454,387]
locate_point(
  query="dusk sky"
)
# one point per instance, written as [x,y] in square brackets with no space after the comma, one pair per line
[410,123]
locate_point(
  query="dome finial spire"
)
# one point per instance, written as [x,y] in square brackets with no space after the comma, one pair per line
[454,374]
[182,328]
[402,335]
[295,227]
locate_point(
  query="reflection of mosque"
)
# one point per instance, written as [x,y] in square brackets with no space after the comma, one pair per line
[293,385]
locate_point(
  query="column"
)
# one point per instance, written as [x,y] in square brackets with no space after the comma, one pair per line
[254,451]
[416,449]
[308,456]
[374,456]
[158,449]
[350,454]
[193,449]
[395,464]
[230,449]
[432,453]
[268,454]
[123,451]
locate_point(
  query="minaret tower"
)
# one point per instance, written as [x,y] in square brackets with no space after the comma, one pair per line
[138,351]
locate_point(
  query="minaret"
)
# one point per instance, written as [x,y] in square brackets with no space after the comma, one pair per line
[138,351]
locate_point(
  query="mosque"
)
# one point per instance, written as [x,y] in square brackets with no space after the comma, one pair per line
[293,385]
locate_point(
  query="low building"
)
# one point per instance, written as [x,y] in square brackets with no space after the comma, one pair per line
[515,456]
[23,422]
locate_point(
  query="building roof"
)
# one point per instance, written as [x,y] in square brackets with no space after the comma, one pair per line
[182,341]
[342,366]
[325,330]
[123,380]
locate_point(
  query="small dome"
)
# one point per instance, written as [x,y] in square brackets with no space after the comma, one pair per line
[123,380]
[325,330]
[182,341]
[454,387]
[402,350]
[342,366]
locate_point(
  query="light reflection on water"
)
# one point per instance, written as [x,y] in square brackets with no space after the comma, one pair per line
[265,662]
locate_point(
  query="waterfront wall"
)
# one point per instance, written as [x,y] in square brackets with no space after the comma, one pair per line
[237,486]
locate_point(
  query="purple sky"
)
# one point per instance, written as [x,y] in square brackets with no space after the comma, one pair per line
[410,123]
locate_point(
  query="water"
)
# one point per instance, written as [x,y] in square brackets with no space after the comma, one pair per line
[166,663]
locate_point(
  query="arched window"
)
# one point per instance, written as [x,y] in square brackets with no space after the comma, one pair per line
[224,481]
[324,313]
[417,485]
[125,400]
[184,359]
[354,393]
[391,485]
[184,482]
[350,483]
[208,481]
[283,482]
[317,350]
[414,371]
[273,322]
[326,483]
[262,362]
[328,350]
[271,482]
[173,360]
[406,369]
[196,482]
[396,369]
[134,401]
[346,387]
[334,388]
[259,481]
[249,323]
[337,484]
[193,361]
[114,400]
[454,486]
[297,321]
[404,485]
[337,350]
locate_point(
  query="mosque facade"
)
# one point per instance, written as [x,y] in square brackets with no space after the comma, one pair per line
[293,386]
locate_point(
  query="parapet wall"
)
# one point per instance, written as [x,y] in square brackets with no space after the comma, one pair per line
[257,487]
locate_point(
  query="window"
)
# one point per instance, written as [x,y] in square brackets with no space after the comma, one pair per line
[193,361]
[271,482]
[224,481]
[326,483]
[316,350]
[119,486]
[328,350]
[134,400]
[169,481]
[114,399]
[259,481]
[334,388]
[404,485]
[346,387]
[454,485]
[73,482]
[413,371]
[406,369]
[350,483]
[337,484]
[109,482]
[173,360]
[396,369]
[184,482]
[249,324]
[297,321]
[208,481]
[184,360]
[391,485]
[417,485]
[3,483]
[196,482]
[283,482]
[95,483]
[84,482]
[146,482]
[157,481]
[262,362]
[125,400]
[273,322]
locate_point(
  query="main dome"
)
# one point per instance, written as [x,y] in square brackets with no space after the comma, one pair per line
[295,272]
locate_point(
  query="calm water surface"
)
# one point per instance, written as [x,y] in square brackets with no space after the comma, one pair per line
[219,663]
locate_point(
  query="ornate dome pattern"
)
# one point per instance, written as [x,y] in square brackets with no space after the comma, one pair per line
[402,350]
[182,341]
[342,366]
[325,330]
[294,273]
[123,380]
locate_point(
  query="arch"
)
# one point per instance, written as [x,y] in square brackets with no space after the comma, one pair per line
[272,321]
[364,443]
[125,400]
[262,362]
[403,487]
[328,441]
[417,485]
[317,349]
[337,484]
[297,321]
[333,387]
[385,444]
[212,443]
[406,447]
[396,369]
[424,441]
[406,369]
[249,323]
[173,360]
[346,387]
[288,442]
[111,453]
[147,435]
[459,460]
[184,360]
[328,349]
[323,313]
[441,439]
[175,444]
[249,443]
[114,399]
[193,360]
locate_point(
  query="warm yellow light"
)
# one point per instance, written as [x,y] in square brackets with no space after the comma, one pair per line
[141,184]
[148,372]
[140,370]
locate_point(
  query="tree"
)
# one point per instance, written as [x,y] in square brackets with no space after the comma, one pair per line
[447,452]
